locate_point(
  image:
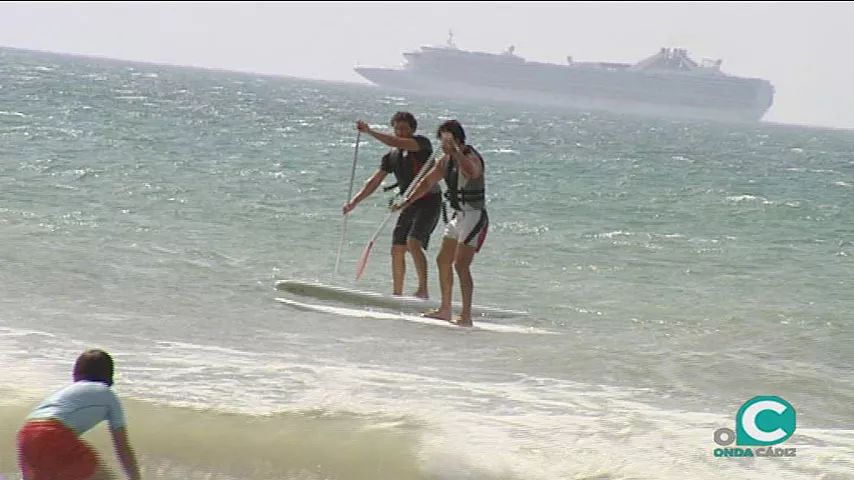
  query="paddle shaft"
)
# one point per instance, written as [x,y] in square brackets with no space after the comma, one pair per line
[349,196]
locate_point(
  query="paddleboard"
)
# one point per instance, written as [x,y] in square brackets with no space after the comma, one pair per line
[405,303]
[358,313]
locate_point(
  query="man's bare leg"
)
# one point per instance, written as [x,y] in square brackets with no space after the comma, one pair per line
[398,268]
[416,249]
[445,262]
[462,264]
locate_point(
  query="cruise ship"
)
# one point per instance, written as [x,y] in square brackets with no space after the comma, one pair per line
[668,83]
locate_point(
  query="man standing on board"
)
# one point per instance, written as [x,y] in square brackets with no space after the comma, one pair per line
[462,168]
[408,154]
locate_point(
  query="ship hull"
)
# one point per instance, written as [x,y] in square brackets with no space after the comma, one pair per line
[404,81]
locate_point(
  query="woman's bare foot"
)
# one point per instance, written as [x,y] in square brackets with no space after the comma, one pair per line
[421,294]
[438,314]
[460,322]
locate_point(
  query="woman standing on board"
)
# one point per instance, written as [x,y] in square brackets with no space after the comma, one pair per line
[462,168]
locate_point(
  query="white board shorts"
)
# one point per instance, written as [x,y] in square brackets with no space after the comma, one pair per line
[468,227]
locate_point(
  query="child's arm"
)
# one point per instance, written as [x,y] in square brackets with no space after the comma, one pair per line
[125,452]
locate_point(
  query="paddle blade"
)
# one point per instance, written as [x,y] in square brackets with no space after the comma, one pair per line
[363,262]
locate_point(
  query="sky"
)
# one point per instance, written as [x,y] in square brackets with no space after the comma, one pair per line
[802,48]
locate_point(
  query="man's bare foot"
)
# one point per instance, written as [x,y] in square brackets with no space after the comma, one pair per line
[438,314]
[421,294]
[461,323]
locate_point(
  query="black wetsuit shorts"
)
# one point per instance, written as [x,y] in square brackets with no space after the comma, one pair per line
[418,220]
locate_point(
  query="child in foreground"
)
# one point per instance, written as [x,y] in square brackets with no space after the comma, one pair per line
[49,443]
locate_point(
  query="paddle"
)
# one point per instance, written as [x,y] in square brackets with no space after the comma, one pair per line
[363,261]
[349,196]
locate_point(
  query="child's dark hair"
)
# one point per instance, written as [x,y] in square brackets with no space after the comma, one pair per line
[94,366]
[405,117]
[454,128]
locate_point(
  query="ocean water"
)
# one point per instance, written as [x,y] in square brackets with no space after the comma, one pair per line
[672,270]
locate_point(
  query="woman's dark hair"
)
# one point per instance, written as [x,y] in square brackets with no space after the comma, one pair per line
[94,366]
[454,128]
[405,117]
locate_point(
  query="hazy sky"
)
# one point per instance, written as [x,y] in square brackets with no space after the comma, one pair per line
[804,49]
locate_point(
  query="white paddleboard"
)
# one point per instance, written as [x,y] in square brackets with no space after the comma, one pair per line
[352,312]
[404,303]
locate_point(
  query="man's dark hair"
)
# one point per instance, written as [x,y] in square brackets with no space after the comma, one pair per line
[454,128]
[94,366]
[405,117]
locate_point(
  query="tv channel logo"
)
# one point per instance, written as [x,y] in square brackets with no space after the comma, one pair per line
[761,422]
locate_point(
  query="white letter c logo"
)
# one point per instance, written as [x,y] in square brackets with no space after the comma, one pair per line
[749,421]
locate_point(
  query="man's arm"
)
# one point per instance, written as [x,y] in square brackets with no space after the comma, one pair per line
[424,185]
[366,191]
[469,163]
[399,142]
[125,452]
